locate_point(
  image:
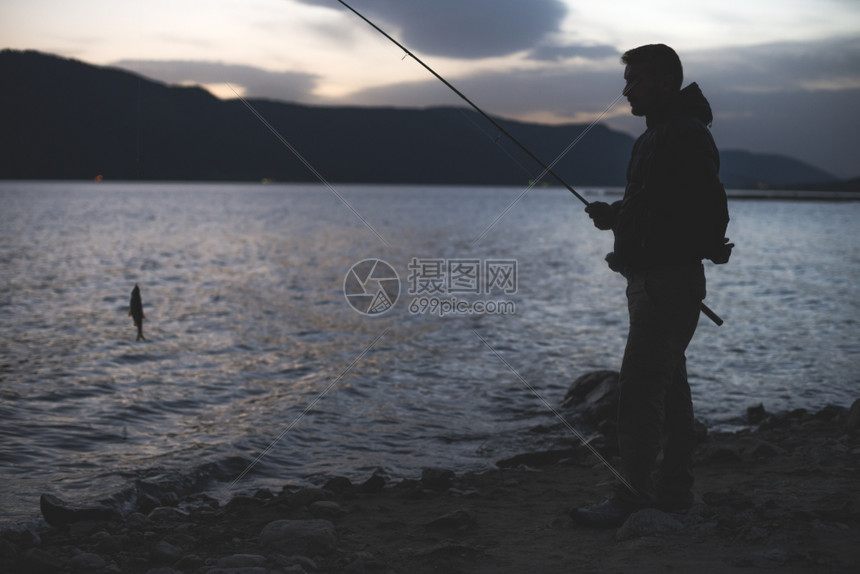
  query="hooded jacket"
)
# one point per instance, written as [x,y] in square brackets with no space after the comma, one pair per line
[674,207]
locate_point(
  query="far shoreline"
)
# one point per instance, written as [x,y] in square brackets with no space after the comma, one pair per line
[788,193]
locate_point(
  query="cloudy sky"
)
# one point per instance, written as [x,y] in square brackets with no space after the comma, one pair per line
[783,76]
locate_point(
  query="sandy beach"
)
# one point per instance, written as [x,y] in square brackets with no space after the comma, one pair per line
[782,496]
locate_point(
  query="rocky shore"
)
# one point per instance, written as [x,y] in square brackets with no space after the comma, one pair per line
[780,496]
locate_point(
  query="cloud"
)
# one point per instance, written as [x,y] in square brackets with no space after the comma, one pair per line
[554,52]
[465,29]
[793,98]
[831,64]
[248,80]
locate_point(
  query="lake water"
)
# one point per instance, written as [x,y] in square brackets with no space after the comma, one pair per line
[253,352]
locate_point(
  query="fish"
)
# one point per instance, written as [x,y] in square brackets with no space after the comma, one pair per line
[136,311]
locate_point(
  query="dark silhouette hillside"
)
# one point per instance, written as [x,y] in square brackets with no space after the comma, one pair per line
[64,119]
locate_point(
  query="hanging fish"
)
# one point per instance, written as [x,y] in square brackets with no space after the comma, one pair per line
[136,311]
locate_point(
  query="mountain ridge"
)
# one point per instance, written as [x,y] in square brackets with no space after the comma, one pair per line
[66,119]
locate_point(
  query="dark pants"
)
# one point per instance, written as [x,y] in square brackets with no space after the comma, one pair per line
[654,395]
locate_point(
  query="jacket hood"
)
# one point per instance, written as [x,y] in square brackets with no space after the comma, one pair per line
[689,102]
[693,102]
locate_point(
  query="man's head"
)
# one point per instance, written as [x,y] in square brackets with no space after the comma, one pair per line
[653,75]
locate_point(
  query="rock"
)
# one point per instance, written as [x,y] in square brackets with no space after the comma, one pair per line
[756,414]
[7,549]
[446,547]
[648,522]
[307,496]
[167,514]
[264,494]
[719,455]
[303,563]
[163,570]
[326,509]
[764,449]
[308,537]
[338,484]
[26,538]
[457,520]
[136,520]
[594,395]
[240,561]
[164,551]
[106,543]
[357,566]
[39,562]
[852,420]
[765,559]
[239,503]
[58,513]
[537,459]
[189,563]
[82,528]
[733,499]
[241,570]
[147,503]
[437,478]
[87,561]
[374,484]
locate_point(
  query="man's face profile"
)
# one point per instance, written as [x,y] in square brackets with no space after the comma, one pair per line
[639,88]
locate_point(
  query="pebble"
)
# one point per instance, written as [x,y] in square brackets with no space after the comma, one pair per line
[105,543]
[648,522]
[40,561]
[241,570]
[87,561]
[338,484]
[189,563]
[166,514]
[302,562]
[437,478]
[372,485]
[164,551]
[326,509]
[240,561]
[81,529]
[136,520]
[457,520]
[308,537]
[307,496]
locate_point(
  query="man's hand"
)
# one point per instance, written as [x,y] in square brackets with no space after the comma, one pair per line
[601,214]
[721,254]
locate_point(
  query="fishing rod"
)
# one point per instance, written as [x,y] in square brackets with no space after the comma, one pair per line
[547,169]
[496,124]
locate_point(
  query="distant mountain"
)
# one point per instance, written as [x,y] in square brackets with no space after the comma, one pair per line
[756,170]
[64,119]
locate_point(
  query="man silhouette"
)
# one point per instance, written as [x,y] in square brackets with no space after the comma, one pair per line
[672,216]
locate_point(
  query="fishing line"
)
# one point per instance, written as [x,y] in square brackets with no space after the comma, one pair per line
[307,164]
[307,409]
[496,140]
[535,181]
[558,415]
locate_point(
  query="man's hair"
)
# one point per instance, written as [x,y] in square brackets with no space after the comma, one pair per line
[660,58]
